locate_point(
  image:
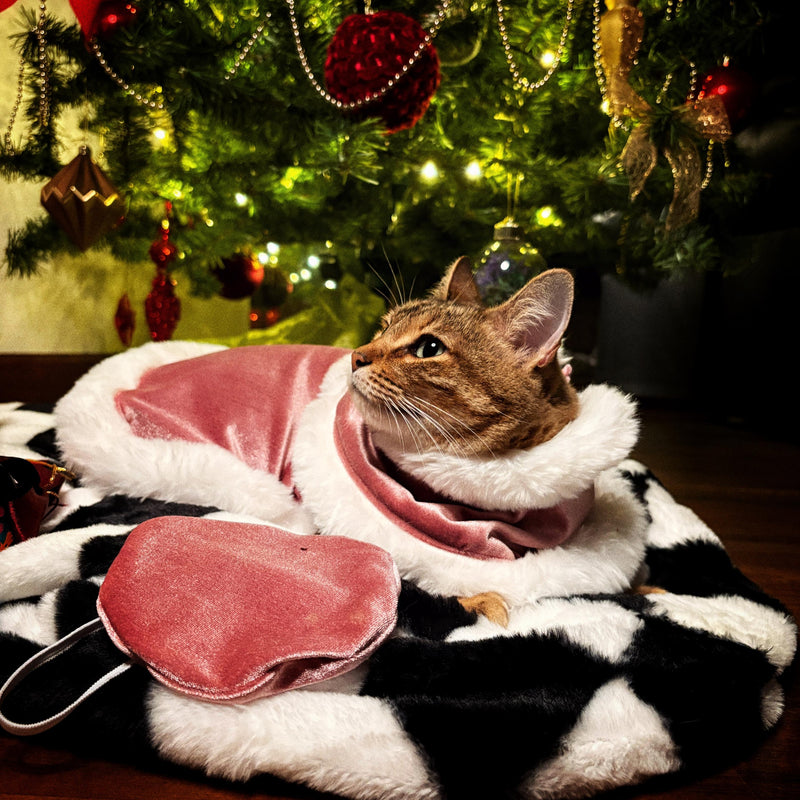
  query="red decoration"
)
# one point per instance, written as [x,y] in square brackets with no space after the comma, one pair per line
[4,4]
[161,306]
[125,320]
[113,16]
[369,50]
[86,13]
[734,87]
[82,200]
[240,276]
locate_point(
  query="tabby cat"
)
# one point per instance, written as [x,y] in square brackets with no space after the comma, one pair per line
[447,373]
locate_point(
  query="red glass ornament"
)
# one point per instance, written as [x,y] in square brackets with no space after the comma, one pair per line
[734,87]
[125,320]
[113,16]
[240,275]
[366,52]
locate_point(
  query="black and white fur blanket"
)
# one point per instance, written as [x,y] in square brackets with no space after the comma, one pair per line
[581,694]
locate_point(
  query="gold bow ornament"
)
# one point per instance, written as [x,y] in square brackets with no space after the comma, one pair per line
[674,130]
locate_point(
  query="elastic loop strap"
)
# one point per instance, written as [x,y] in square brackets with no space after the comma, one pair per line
[42,657]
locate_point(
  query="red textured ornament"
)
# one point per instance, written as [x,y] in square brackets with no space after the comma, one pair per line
[113,16]
[734,87]
[240,275]
[125,320]
[369,50]
[161,306]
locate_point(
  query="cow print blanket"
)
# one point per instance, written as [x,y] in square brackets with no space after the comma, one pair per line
[582,694]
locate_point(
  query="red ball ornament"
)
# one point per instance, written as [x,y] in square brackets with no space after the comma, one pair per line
[240,275]
[734,87]
[113,16]
[370,50]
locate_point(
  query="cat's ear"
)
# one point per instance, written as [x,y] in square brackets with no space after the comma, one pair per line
[535,318]
[458,285]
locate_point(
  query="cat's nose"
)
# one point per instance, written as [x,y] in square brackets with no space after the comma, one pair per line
[358,360]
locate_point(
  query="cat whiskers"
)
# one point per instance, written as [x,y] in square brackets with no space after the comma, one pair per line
[456,433]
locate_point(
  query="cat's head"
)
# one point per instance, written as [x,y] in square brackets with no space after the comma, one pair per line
[447,373]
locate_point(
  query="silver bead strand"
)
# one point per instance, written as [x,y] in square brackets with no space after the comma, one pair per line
[44,81]
[121,82]
[521,82]
[241,56]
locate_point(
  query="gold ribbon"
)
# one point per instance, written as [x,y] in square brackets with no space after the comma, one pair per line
[620,31]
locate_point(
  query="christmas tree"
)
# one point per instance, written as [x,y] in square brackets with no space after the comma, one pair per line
[604,130]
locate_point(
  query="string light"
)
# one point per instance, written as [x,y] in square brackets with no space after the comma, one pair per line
[429,171]
[473,170]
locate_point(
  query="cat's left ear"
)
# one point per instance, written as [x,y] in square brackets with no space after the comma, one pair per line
[535,318]
[458,285]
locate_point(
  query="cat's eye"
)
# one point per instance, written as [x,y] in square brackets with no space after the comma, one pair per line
[427,346]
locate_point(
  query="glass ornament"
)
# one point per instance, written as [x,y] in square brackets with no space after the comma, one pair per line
[507,263]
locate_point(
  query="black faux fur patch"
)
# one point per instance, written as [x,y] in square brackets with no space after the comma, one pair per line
[489,708]
[117,509]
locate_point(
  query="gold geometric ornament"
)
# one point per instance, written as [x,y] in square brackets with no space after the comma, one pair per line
[82,200]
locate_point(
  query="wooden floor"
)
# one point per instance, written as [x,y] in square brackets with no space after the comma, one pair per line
[744,485]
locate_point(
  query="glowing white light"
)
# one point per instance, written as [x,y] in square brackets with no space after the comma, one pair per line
[330,284]
[160,134]
[273,248]
[305,274]
[473,170]
[241,199]
[547,59]
[313,261]
[294,277]
[429,171]
[505,265]
[263,257]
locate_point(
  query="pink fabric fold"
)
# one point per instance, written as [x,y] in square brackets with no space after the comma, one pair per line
[441,521]
[247,400]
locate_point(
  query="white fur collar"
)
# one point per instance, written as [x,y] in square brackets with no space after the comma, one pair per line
[603,556]
[600,437]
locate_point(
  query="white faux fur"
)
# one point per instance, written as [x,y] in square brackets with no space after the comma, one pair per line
[99,445]
[604,629]
[618,740]
[31,568]
[346,744]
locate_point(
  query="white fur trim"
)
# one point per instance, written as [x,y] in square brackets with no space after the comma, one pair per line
[603,434]
[339,743]
[98,444]
[618,740]
[603,556]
